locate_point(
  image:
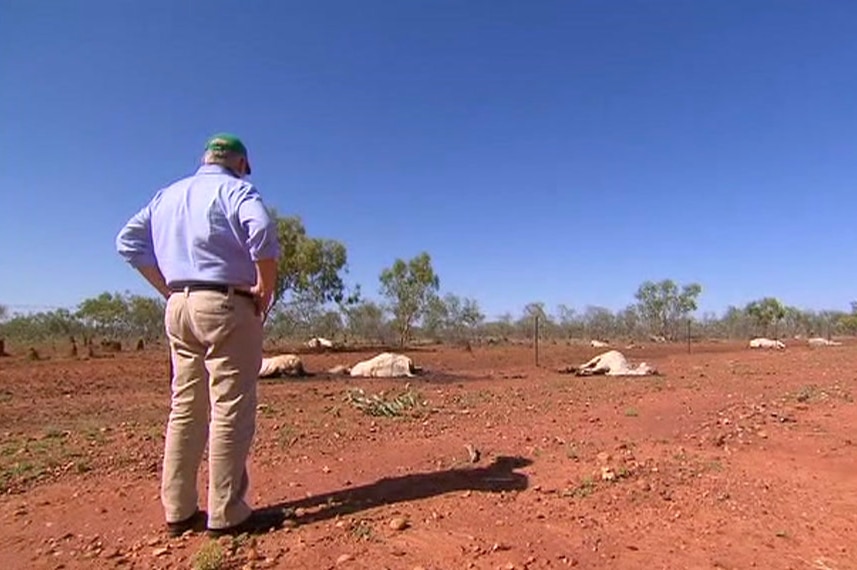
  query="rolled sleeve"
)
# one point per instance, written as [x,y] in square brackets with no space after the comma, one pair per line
[134,242]
[261,230]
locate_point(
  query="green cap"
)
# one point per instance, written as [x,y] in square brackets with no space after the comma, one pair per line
[225,142]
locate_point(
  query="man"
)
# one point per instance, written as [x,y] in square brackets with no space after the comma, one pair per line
[208,245]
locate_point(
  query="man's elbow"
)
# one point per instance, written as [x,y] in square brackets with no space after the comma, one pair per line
[133,253]
[269,250]
[139,260]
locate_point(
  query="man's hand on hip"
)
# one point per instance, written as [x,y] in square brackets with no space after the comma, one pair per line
[262,298]
[266,282]
[153,275]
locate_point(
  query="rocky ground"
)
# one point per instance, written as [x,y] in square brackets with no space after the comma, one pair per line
[731,459]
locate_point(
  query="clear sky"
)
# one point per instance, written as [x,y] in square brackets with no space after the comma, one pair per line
[556,151]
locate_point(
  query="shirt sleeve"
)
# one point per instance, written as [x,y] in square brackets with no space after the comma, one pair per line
[134,242]
[261,230]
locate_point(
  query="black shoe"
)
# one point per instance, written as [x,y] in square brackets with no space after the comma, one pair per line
[195,522]
[259,522]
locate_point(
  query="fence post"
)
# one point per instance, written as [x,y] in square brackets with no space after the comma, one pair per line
[536,340]
[688,336]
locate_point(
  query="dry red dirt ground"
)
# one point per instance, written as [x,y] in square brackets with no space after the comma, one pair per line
[732,459]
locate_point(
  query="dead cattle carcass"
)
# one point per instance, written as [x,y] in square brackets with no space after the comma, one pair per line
[319,343]
[386,365]
[612,363]
[282,365]
[767,343]
[819,341]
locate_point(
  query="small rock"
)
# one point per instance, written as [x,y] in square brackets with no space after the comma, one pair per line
[343,558]
[607,474]
[160,551]
[253,554]
[290,523]
[473,453]
[398,523]
[603,458]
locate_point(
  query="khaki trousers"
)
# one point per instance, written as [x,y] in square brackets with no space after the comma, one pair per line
[216,350]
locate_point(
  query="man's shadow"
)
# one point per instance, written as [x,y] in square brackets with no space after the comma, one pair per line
[497,477]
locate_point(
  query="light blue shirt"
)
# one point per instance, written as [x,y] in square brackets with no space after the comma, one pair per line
[211,226]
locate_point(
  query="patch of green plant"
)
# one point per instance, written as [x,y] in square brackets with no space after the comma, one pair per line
[210,556]
[362,531]
[382,404]
[584,489]
[25,460]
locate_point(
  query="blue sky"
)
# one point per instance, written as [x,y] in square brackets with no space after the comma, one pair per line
[547,151]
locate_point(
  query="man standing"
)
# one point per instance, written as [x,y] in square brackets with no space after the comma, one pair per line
[208,245]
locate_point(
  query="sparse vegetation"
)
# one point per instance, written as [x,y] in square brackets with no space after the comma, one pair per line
[287,437]
[663,306]
[25,460]
[814,393]
[314,300]
[766,313]
[210,556]
[584,489]
[410,287]
[382,404]
[362,531]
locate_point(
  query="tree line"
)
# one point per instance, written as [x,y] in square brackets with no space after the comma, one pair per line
[313,298]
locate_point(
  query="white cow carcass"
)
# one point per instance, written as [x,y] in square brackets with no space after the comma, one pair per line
[319,342]
[281,365]
[819,341]
[767,343]
[385,365]
[598,344]
[613,363]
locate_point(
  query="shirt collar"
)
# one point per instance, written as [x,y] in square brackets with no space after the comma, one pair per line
[215,169]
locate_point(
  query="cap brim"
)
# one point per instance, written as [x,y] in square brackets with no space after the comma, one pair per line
[248,166]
